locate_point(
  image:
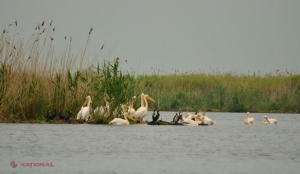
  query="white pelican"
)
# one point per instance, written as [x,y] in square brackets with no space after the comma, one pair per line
[102,110]
[128,107]
[248,119]
[188,116]
[142,105]
[197,118]
[124,108]
[120,121]
[190,122]
[141,112]
[142,99]
[131,110]
[206,120]
[84,112]
[267,120]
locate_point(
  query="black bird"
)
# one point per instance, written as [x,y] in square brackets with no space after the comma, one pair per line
[155,117]
[175,118]
[180,117]
[51,116]
[47,115]
[68,115]
[61,116]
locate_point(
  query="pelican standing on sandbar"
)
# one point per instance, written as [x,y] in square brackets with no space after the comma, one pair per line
[248,119]
[84,112]
[141,112]
[267,120]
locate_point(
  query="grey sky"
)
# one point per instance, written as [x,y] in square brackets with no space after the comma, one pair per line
[240,36]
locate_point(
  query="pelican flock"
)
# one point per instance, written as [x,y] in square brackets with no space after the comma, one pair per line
[137,116]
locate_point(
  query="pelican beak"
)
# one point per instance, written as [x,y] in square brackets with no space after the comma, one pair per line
[151,99]
[130,117]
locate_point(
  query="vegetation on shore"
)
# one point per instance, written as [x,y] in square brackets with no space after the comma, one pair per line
[224,92]
[34,80]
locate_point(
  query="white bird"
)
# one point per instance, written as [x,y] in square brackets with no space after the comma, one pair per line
[141,112]
[188,116]
[190,122]
[124,108]
[142,99]
[84,112]
[248,119]
[102,110]
[120,121]
[267,120]
[205,120]
[197,118]
[131,110]
[142,105]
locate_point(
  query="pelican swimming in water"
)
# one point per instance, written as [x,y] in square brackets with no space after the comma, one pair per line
[120,121]
[141,112]
[248,119]
[84,112]
[267,120]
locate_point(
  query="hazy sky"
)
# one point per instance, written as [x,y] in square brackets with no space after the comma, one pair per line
[240,36]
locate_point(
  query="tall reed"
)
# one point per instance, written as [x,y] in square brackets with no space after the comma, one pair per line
[35,80]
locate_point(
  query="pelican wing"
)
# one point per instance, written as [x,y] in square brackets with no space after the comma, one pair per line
[139,113]
[79,115]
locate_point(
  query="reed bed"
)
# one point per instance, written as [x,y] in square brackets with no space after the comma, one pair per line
[226,92]
[35,79]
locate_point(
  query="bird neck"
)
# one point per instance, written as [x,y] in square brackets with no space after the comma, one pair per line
[142,100]
[145,102]
[125,117]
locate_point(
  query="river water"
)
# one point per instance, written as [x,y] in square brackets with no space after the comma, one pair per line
[229,146]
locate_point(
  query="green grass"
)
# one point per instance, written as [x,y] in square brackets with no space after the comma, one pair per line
[224,92]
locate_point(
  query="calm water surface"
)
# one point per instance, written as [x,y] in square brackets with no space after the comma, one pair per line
[229,146]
